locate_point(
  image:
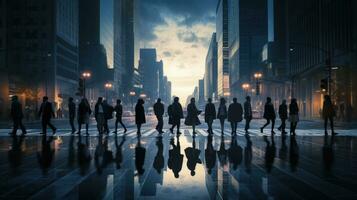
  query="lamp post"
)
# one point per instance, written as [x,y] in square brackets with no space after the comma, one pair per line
[107,87]
[246,87]
[85,75]
[257,77]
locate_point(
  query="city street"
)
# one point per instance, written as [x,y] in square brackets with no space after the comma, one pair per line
[308,166]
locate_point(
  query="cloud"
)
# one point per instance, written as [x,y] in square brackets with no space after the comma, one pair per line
[167,54]
[187,36]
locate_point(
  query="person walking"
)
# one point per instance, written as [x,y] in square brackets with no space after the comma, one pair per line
[46,113]
[210,114]
[328,114]
[248,114]
[293,115]
[17,116]
[222,113]
[139,115]
[84,112]
[283,114]
[119,115]
[177,115]
[72,113]
[108,115]
[159,112]
[269,115]
[192,115]
[99,114]
[235,113]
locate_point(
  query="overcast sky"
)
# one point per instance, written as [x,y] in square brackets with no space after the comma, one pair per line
[180,30]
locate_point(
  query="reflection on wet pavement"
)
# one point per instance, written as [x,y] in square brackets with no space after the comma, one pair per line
[190,166]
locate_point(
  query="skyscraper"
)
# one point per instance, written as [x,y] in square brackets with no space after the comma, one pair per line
[210,77]
[42,49]
[124,44]
[148,68]
[222,48]
[247,36]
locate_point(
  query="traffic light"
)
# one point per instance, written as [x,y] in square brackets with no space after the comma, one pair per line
[80,87]
[324,84]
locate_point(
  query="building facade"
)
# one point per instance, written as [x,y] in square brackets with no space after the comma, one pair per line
[148,68]
[223,88]
[210,77]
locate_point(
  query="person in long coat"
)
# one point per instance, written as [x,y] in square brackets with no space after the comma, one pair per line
[222,113]
[210,114]
[46,112]
[293,115]
[283,114]
[328,113]
[84,112]
[235,113]
[99,114]
[192,115]
[17,115]
[269,115]
[159,111]
[139,115]
[177,115]
[248,114]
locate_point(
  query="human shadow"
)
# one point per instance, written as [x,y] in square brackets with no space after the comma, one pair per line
[192,155]
[248,154]
[159,158]
[175,157]
[293,154]
[222,153]
[119,150]
[83,154]
[16,152]
[270,151]
[328,153]
[139,157]
[210,155]
[235,152]
[45,156]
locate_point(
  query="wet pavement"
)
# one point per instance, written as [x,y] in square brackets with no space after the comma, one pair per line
[199,166]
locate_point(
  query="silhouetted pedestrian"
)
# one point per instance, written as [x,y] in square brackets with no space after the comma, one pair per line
[108,115]
[46,112]
[269,115]
[177,115]
[210,114]
[175,160]
[270,152]
[193,157]
[99,115]
[192,115]
[159,111]
[210,155]
[139,115]
[83,155]
[84,112]
[169,113]
[72,113]
[235,113]
[283,114]
[222,113]
[17,115]
[45,156]
[159,157]
[222,152]
[119,151]
[328,113]
[119,115]
[235,153]
[248,114]
[293,115]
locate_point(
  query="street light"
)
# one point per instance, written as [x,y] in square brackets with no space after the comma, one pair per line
[246,87]
[85,75]
[107,86]
[132,94]
[257,77]
[143,96]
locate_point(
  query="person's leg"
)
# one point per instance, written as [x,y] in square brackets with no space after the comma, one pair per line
[222,125]
[23,128]
[51,126]
[235,127]
[44,126]
[325,124]
[87,127]
[193,128]
[272,125]
[71,122]
[16,126]
[161,123]
[138,126]
[178,127]
[283,125]
[266,124]
[122,124]
[332,125]
[116,125]
[232,127]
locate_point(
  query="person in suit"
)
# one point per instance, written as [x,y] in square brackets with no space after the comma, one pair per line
[139,115]
[84,112]
[222,113]
[248,114]
[235,112]
[210,155]
[269,115]
[99,115]
[192,115]
[119,115]
[159,112]
[175,160]
[46,113]
[283,114]
[108,115]
[17,116]
[293,115]
[328,113]
[210,114]
[177,115]
[72,113]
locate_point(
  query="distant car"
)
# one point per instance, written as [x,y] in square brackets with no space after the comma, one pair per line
[128,114]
